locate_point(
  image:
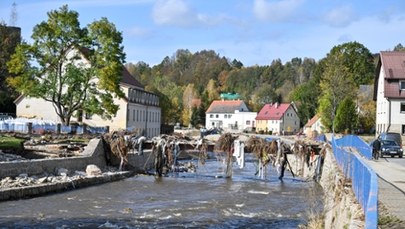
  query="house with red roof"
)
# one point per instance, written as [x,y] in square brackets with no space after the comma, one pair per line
[230,115]
[278,119]
[139,109]
[313,126]
[389,92]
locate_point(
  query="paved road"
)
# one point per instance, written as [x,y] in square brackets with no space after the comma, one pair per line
[391,184]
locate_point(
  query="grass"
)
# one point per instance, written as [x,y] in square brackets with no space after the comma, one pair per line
[10,143]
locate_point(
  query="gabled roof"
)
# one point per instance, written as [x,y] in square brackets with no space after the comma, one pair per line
[393,65]
[226,106]
[273,111]
[312,121]
[129,79]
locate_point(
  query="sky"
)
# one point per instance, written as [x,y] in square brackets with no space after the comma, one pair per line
[255,32]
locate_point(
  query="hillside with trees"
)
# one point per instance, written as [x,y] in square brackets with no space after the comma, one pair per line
[329,86]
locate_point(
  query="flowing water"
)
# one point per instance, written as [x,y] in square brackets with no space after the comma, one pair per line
[186,200]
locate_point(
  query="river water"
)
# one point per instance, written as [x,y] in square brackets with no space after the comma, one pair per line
[203,199]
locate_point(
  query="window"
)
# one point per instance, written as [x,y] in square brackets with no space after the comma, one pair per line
[248,122]
[402,84]
[211,115]
[216,116]
[403,129]
[225,116]
[229,116]
[402,107]
[133,115]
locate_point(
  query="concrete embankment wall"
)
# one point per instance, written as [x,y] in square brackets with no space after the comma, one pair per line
[92,154]
[341,209]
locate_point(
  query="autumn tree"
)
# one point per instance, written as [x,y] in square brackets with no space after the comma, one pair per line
[74,68]
[189,95]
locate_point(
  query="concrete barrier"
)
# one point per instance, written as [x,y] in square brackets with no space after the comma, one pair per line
[92,154]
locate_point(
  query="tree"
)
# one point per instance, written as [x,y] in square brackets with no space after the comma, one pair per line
[10,37]
[399,47]
[263,95]
[195,119]
[188,95]
[76,69]
[357,59]
[338,81]
[346,116]
[367,116]
[306,97]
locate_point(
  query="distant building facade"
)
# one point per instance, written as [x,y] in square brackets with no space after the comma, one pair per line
[389,92]
[314,126]
[229,115]
[278,119]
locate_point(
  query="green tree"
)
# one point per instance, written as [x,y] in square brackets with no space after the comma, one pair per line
[357,59]
[346,116]
[337,83]
[305,96]
[10,37]
[60,75]
[195,119]
[263,95]
[399,47]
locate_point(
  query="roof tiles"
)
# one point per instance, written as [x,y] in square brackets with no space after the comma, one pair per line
[272,111]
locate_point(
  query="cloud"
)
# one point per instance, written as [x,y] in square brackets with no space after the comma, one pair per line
[179,13]
[276,11]
[340,17]
[174,12]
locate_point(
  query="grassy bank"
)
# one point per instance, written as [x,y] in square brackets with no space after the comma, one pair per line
[10,143]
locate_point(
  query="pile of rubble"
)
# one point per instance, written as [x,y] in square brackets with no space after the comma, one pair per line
[62,175]
[10,157]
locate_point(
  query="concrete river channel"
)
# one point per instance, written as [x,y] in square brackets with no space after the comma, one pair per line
[203,199]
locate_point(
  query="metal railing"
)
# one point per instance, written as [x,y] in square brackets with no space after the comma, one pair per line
[364,179]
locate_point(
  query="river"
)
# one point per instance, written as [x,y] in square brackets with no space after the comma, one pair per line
[203,199]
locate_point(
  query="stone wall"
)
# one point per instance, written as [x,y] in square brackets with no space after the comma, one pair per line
[341,209]
[92,154]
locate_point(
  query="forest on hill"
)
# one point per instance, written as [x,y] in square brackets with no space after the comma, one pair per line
[316,87]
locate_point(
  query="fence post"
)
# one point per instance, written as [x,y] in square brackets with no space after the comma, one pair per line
[73,128]
[29,125]
[84,128]
[58,128]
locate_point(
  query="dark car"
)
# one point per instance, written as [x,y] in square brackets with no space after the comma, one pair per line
[391,136]
[391,148]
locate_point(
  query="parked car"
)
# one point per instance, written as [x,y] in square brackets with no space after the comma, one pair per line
[391,148]
[391,136]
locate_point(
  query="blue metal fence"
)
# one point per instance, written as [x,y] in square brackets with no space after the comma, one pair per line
[364,179]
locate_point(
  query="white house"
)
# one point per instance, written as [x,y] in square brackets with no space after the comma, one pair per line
[139,109]
[389,92]
[229,115]
[313,125]
[278,119]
